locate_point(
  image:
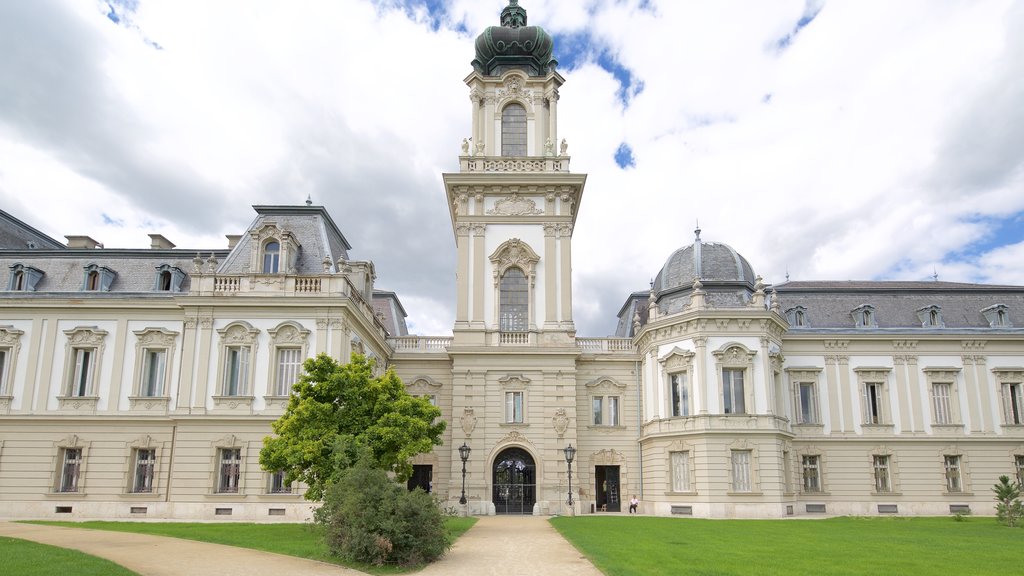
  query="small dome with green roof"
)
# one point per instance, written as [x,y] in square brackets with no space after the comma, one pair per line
[514,45]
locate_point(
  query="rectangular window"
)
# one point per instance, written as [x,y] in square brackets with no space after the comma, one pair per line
[289,365]
[612,417]
[514,407]
[1018,463]
[941,402]
[70,470]
[732,391]
[954,482]
[807,404]
[598,404]
[278,484]
[432,399]
[741,471]
[882,480]
[236,370]
[606,410]
[873,403]
[145,467]
[812,473]
[82,371]
[1013,403]
[680,471]
[680,395]
[229,470]
[3,370]
[153,366]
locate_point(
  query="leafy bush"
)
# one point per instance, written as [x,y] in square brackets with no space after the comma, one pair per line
[369,518]
[1008,505]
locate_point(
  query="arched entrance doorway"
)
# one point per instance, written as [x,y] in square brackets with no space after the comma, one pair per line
[515,482]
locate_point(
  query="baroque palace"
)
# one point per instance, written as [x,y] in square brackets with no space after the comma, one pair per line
[140,383]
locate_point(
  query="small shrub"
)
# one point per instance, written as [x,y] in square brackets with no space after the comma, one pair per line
[369,518]
[1008,505]
[961,516]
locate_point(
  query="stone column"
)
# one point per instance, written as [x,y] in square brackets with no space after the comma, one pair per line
[700,379]
[188,354]
[321,335]
[479,266]
[203,376]
[550,293]
[462,274]
[565,240]
[117,372]
[974,402]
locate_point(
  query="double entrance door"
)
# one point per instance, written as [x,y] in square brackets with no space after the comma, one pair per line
[515,482]
[607,489]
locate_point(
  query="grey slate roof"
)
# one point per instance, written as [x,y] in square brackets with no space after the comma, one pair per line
[389,310]
[311,226]
[704,260]
[17,235]
[64,270]
[828,303]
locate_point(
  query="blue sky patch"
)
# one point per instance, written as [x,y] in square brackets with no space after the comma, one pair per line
[624,157]
[811,10]
[111,221]
[573,50]
[1002,232]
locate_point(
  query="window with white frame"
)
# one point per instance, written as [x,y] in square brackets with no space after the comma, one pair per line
[154,366]
[680,390]
[1018,466]
[882,475]
[806,403]
[941,402]
[83,353]
[278,483]
[1013,403]
[811,469]
[5,353]
[741,479]
[144,470]
[515,301]
[954,479]
[680,462]
[513,130]
[70,472]
[229,470]
[734,363]
[874,408]
[514,407]
[10,343]
[733,397]
[289,366]
[237,349]
[271,257]
[83,366]
[236,370]
[606,410]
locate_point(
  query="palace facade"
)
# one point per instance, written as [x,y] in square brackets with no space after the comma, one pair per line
[140,383]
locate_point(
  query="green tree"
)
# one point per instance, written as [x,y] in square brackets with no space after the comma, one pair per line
[1008,505]
[336,412]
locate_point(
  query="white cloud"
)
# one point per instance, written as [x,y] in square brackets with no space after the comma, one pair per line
[889,129]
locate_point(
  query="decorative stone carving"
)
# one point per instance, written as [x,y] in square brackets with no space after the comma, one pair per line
[517,381]
[607,457]
[513,89]
[238,333]
[465,146]
[514,437]
[86,336]
[515,206]
[155,338]
[423,382]
[563,148]
[514,252]
[560,422]
[288,333]
[468,421]
[605,383]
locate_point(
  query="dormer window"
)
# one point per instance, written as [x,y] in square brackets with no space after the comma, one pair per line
[168,278]
[998,316]
[271,257]
[92,281]
[797,317]
[930,317]
[864,316]
[24,278]
[98,278]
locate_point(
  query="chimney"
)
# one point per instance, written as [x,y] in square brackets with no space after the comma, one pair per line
[158,242]
[233,240]
[82,242]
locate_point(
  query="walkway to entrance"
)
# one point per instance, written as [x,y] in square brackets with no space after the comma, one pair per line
[497,545]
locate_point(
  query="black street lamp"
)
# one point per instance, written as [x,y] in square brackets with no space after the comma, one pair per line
[464,454]
[570,453]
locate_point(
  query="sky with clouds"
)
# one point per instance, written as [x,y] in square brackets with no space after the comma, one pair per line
[836,139]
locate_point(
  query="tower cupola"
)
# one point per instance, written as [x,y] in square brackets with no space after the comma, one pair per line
[514,45]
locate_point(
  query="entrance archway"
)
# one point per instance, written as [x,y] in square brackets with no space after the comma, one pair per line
[515,482]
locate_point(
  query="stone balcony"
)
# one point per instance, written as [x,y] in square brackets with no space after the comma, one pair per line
[716,423]
[493,164]
[435,344]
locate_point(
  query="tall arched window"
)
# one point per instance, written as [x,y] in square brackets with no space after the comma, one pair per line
[271,258]
[513,130]
[515,301]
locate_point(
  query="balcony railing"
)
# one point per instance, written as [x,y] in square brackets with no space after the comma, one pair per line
[605,345]
[421,343]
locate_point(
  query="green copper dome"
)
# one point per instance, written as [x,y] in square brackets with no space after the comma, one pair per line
[514,45]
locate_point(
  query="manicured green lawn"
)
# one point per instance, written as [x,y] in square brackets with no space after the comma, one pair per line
[26,558]
[301,540]
[622,546]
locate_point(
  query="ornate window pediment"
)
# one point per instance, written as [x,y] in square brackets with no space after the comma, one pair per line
[605,383]
[677,360]
[514,381]
[734,354]
[515,253]
[273,249]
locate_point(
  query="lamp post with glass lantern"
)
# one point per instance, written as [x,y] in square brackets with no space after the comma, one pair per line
[464,454]
[570,453]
